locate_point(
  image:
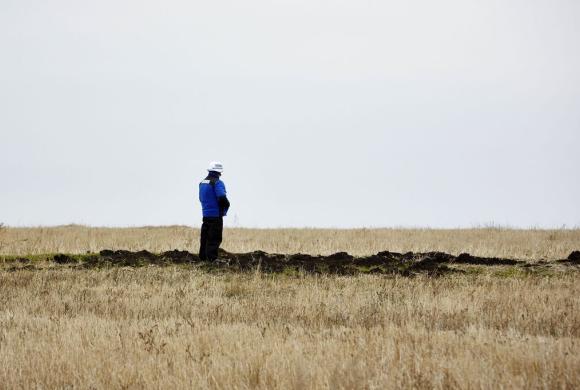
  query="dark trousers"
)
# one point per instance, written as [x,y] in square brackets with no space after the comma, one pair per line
[211,237]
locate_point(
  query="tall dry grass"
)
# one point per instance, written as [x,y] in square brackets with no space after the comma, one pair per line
[176,327]
[524,244]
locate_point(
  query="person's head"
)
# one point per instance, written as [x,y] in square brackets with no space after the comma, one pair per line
[216,167]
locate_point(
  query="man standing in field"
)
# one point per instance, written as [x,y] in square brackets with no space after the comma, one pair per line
[215,205]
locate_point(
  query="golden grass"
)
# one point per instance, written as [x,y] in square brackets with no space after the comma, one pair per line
[177,327]
[524,244]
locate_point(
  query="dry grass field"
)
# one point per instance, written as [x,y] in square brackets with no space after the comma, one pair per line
[500,242]
[179,326]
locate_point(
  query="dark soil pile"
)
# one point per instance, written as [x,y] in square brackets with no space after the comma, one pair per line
[573,259]
[407,264]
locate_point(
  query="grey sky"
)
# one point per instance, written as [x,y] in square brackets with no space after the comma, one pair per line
[325,113]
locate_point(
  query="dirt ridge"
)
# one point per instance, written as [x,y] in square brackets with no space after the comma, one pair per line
[385,262]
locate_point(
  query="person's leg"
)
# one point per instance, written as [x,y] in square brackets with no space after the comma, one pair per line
[203,240]
[214,238]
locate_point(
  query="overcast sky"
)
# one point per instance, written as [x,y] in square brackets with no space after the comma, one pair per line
[324,113]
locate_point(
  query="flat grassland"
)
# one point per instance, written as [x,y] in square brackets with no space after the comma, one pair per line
[486,242]
[179,326]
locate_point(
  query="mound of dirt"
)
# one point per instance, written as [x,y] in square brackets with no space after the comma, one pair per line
[574,258]
[63,259]
[466,258]
[133,259]
[385,262]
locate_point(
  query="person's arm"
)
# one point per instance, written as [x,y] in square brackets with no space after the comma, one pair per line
[223,202]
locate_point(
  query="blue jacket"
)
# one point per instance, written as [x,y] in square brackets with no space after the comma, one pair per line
[213,197]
